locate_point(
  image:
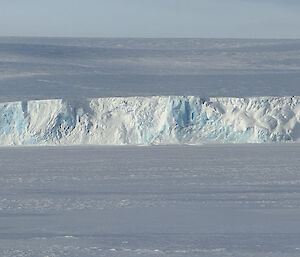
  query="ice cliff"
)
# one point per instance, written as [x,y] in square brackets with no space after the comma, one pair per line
[150,120]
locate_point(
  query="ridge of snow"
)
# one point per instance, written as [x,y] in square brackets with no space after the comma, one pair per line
[150,120]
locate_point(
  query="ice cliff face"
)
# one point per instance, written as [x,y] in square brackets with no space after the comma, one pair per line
[150,120]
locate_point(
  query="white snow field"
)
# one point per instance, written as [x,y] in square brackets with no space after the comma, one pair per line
[55,68]
[151,120]
[106,147]
[210,200]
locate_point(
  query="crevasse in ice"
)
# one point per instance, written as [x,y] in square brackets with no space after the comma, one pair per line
[150,120]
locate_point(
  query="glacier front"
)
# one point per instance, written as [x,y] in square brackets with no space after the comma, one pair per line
[150,120]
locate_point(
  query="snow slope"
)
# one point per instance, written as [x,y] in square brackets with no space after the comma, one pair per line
[150,120]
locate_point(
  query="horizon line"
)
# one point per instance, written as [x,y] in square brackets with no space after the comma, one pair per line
[134,37]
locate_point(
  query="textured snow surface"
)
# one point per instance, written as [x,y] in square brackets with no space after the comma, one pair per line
[54,68]
[150,120]
[168,201]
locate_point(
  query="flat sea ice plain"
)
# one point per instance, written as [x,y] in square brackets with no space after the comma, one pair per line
[212,200]
[208,200]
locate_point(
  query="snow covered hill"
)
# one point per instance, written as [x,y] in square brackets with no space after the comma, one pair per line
[150,120]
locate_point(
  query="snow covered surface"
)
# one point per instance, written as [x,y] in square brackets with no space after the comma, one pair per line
[209,200]
[151,120]
[47,68]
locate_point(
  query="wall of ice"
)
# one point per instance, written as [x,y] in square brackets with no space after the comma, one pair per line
[150,120]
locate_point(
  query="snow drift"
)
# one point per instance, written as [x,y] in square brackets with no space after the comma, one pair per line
[150,120]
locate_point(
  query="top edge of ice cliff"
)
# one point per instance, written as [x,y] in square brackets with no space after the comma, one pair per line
[79,100]
[150,120]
